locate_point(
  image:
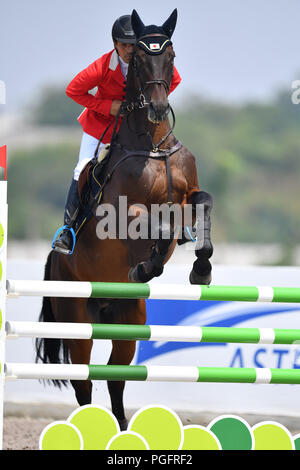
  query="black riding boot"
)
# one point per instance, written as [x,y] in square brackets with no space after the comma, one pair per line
[64,243]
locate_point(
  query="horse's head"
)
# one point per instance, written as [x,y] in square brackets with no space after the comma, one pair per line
[153,64]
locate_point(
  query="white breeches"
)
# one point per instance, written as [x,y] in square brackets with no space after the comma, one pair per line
[86,153]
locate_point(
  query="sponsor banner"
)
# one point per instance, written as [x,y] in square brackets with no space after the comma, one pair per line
[224,314]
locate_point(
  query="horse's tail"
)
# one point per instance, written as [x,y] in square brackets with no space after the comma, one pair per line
[48,350]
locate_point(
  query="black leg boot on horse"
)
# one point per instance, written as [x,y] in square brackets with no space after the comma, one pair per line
[66,241]
[201,272]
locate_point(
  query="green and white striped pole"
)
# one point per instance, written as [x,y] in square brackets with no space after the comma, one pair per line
[152,291]
[14,371]
[196,334]
[3,258]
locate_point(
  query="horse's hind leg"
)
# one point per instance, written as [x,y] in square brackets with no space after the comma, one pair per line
[122,354]
[80,353]
[132,312]
[201,272]
[74,310]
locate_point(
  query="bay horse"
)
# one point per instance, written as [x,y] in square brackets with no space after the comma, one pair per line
[148,165]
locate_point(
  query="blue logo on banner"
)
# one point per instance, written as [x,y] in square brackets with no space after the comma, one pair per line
[204,313]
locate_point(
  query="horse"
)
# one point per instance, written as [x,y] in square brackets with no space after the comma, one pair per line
[149,166]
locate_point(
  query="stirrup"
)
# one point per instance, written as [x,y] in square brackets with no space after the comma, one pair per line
[187,235]
[66,252]
[192,239]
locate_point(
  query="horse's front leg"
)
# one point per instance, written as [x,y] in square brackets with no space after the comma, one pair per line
[154,265]
[201,272]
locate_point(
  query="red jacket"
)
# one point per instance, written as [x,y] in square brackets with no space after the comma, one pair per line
[105,73]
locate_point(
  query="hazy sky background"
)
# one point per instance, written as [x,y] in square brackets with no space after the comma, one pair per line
[233,50]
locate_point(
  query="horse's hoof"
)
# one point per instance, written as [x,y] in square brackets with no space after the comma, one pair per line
[138,273]
[133,274]
[198,279]
[123,423]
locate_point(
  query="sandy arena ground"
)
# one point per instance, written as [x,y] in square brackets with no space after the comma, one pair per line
[23,433]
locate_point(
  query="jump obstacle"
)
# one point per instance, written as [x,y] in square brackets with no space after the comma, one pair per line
[11,329]
[119,290]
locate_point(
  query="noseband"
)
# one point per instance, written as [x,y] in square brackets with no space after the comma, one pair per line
[141,101]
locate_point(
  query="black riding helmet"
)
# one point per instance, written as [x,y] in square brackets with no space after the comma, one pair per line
[122,30]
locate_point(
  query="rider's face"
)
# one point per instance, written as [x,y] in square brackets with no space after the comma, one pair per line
[125,50]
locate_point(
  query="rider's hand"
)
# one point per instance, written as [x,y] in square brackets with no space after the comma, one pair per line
[115,106]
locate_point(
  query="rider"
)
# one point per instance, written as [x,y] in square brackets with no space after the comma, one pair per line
[108,74]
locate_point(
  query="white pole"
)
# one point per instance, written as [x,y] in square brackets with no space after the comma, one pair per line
[3,259]
[46,371]
[49,288]
[29,329]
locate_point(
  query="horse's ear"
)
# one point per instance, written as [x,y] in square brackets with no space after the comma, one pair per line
[170,24]
[137,24]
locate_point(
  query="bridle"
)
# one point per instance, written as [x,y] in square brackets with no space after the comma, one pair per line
[141,101]
[125,109]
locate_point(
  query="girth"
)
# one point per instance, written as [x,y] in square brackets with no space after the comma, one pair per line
[159,154]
